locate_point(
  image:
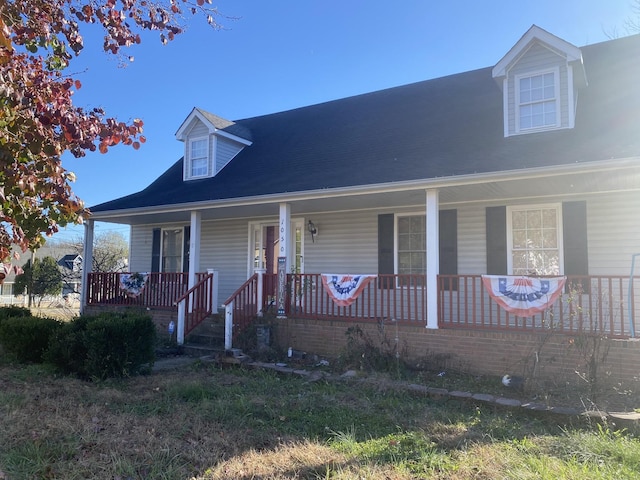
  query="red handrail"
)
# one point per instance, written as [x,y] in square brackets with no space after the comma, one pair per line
[245,304]
[198,303]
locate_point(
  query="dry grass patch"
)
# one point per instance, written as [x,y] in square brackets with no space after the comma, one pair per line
[204,423]
[287,460]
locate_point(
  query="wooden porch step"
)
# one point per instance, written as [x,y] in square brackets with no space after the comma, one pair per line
[212,325]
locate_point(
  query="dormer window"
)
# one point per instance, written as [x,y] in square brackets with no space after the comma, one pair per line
[210,142]
[540,77]
[199,157]
[537,101]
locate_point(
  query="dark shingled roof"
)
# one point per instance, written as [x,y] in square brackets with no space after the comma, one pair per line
[437,128]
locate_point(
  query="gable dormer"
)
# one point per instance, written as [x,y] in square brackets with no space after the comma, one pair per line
[540,77]
[210,142]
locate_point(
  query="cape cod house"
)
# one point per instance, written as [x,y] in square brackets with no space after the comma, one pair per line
[408,196]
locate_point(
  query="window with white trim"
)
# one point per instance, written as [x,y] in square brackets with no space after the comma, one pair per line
[537,101]
[198,157]
[411,245]
[172,248]
[534,240]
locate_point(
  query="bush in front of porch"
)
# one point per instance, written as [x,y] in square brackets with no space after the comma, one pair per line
[106,345]
[25,337]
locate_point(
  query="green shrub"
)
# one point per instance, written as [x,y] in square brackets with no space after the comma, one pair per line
[27,338]
[67,348]
[13,311]
[105,345]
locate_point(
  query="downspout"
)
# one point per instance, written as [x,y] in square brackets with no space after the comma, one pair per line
[632,329]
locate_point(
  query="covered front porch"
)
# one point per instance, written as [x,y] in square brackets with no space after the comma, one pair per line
[464,226]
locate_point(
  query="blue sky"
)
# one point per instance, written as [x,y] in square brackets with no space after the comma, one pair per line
[283,54]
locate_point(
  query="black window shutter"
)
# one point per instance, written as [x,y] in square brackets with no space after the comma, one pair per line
[496,225]
[186,241]
[385,249]
[574,236]
[448,229]
[155,250]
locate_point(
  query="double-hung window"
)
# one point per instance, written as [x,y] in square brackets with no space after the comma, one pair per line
[411,246]
[172,248]
[534,240]
[198,157]
[537,101]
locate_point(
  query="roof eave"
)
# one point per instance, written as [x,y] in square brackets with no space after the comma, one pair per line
[440,182]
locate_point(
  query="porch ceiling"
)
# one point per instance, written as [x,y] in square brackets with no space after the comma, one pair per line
[392,197]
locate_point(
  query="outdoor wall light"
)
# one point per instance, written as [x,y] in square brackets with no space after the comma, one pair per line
[312,230]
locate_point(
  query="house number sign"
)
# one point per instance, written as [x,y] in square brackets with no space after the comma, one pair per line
[282,284]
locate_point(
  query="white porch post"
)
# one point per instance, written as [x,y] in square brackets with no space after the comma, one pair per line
[194,261]
[87,262]
[260,272]
[228,326]
[181,317]
[194,247]
[214,291]
[433,257]
[284,234]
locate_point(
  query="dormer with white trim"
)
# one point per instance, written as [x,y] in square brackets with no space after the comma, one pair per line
[540,78]
[210,142]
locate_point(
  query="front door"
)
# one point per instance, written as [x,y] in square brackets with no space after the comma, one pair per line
[265,247]
[265,243]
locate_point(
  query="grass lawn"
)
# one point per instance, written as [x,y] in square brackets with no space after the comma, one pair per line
[202,422]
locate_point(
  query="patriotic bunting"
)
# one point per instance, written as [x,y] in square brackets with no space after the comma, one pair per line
[523,296]
[133,283]
[345,289]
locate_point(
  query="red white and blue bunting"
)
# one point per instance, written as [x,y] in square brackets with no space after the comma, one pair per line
[524,296]
[345,289]
[133,283]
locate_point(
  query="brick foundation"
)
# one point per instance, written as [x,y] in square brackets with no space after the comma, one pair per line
[551,357]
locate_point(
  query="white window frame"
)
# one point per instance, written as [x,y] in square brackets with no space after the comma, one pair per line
[559,228]
[162,247]
[519,104]
[396,232]
[189,170]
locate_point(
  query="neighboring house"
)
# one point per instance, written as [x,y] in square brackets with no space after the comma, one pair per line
[71,269]
[527,167]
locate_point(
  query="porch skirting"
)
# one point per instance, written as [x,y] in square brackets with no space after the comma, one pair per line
[552,358]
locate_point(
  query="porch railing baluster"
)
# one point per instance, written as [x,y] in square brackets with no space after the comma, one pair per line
[589,304]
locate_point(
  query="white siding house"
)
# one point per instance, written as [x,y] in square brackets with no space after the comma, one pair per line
[526,168]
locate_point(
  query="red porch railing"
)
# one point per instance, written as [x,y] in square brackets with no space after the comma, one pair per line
[196,304]
[242,307]
[398,298]
[598,305]
[603,305]
[161,290]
